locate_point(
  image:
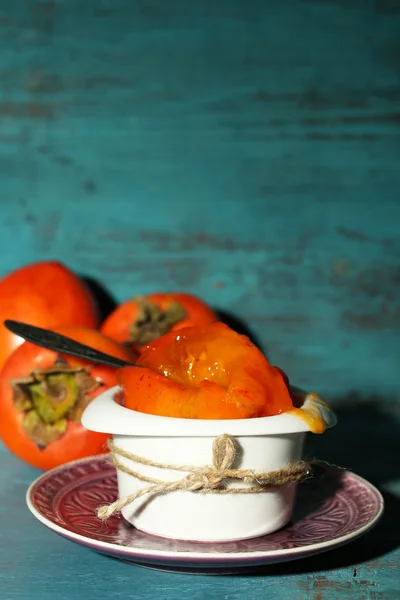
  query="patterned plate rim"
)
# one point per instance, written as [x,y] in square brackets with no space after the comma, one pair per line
[140,554]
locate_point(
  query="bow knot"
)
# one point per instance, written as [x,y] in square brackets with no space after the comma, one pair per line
[204,481]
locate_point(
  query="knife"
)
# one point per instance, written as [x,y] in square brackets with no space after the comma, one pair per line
[63,344]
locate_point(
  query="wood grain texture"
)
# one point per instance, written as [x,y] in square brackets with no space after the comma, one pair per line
[246,152]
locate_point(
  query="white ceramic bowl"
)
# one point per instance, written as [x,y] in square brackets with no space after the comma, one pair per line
[267,444]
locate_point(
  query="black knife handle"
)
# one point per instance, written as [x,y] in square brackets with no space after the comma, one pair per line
[61,343]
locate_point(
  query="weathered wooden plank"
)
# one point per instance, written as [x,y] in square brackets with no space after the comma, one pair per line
[258,173]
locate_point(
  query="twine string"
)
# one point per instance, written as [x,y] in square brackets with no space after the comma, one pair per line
[205,479]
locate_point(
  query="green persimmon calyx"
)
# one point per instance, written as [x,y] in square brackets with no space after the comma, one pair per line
[153,322]
[51,398]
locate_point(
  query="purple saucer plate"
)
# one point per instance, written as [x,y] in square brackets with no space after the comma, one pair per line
[331,510]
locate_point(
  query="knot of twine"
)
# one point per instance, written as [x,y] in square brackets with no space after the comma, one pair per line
[207,479]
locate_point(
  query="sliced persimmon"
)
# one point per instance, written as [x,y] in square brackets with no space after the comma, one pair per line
[208,372]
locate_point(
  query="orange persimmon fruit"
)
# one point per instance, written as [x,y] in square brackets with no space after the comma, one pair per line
[43,395]
[143,319]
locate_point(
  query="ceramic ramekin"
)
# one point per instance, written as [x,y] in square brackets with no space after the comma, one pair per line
[266,444]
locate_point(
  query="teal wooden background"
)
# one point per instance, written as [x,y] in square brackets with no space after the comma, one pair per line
[248,152]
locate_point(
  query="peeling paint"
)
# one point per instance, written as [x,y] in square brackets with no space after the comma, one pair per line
[360,236]
[162,241]
[29,110]
[90,186]
[39,82]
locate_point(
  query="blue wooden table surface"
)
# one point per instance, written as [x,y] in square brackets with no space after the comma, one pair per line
[248,152]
